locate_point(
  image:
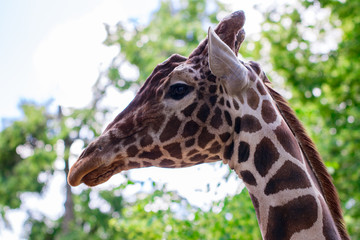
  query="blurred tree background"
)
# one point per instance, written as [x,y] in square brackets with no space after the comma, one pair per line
[310,51]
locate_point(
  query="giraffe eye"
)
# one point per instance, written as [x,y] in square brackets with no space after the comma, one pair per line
[179,90]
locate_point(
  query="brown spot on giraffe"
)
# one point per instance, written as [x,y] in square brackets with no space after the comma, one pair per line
[189,109]
[289,176]
[153,154]
[146,140]
[190,142]
[203,112]
[213,99]
[170,129]
[225,136]
[205,137]
[132,151]
[215,147]
[243,152]
[250,124]
[190,129]
[228,118]
[255,202]
[229,150]
[174,149]
[288,141]
[248,177]
[292,217]
[253,99]
[216,120]
[265,156]
[261,88]
[167,163]
[268,112]
[329,229]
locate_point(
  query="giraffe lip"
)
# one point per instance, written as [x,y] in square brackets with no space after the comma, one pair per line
[93,172]
[81,168]
[103,173]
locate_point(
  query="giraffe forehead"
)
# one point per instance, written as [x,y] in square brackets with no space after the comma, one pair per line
[183,72]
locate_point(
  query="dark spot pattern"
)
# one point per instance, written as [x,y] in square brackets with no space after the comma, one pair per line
[190,142]
[166,163]
[216,120]
[225,136]
[146,164]
[153,154]
[253,99]
[248,177]
[236,105]
[215,148]
[213,100]
[204,138]
[228,118]
[228,104]
[156,125]
[198,157]
[222,101]
[174,150]
[211,78]
[212,89]
[289,176]
[190,129]
[192,152]
[265,156]
[237,125]
[189,109]
[229,150]
[171,128]
[129,140]
[127,127]
[243,152]
[268,112]
[250,124]
[256,67]
[114,139]
[132,151]
[203,113]
[134,164]
[260,88]
[255,202]
[146,140]
[294,216]
[329,228]
[288,141]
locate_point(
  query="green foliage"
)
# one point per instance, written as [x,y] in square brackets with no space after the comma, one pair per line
[26,150]
[171,30]
[325,86]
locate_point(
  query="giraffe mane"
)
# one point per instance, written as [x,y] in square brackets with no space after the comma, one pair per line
[313,158]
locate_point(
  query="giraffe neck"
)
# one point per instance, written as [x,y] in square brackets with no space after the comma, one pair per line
[283,188]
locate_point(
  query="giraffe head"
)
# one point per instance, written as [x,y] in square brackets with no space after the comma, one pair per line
[182,114]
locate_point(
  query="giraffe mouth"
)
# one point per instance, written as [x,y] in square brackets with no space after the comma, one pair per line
[93,172]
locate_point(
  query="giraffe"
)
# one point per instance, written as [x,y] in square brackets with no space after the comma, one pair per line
[209,107]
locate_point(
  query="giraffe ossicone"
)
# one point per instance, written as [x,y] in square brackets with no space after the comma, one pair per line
[210,107]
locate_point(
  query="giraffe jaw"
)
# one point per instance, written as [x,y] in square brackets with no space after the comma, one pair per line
[93,172]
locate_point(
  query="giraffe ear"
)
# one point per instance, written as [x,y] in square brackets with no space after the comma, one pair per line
[224,64]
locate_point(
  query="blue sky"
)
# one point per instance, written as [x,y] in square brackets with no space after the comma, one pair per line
[23,25]
[53,49]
